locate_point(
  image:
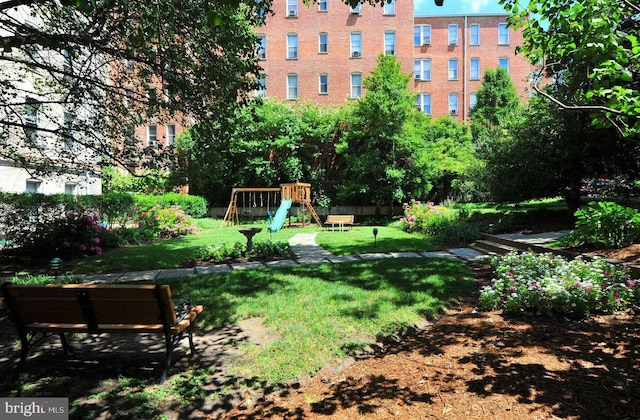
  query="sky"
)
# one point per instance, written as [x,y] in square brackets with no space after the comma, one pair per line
[457,7]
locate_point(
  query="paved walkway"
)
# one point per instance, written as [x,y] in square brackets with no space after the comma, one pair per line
[305,249]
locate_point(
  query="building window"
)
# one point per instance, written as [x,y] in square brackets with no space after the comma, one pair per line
[292,86]
[323,84]
[474,69]
[503,34]
[292,46]
[356,45]
[390,43]
[171,133]
[356,85]
[128,66]
[152,135]
[31,119]
[357,10]
[152,98]
[323,5]
[70,189]
[422,69]
[33,186]
[262,87]
[292,8]
[424,102]
[453,34]
[323,43]
[421,35]
[389,7]
[504,63]
[262,47]
[474,34]
[473,101]
[453,104]
[453,69]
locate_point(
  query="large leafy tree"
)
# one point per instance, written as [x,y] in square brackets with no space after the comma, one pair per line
[93,61]
[598,36]
[378,147]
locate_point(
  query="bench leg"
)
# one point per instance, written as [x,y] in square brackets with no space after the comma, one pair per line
[24,350]
[65,344]
[192,348]
[169,350]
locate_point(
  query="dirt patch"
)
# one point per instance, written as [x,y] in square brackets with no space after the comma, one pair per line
[629,254]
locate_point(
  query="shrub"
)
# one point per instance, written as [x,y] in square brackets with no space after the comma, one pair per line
[449,225]
[547,284]
[261,249]
[77,233]
[605,224]
[117,208]
[167,222]
[192,205]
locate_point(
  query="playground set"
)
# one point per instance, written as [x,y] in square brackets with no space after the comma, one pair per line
[254,197]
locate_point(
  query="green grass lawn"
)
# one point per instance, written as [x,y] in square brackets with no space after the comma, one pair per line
[173,252]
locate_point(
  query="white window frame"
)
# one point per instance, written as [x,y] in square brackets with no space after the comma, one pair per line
[323,5]
[33,186]
[452,34]
[503,33]
[292,8]
[262,89]
[292,89]
[326,43]
[152,135]
[453,70]
[355,49]
[68,119]
[356,10]
[501,63]
[392,36]
[454,107]
[323,87]
[170,130]
[474,70]
[292,50]
[32,119]
[71,188]
[355,89]
[473,100]
[262,47]
[422,69]
[474,27]
[389,7]
[421,30]
[423,100]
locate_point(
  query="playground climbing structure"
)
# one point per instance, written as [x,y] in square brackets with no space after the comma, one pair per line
[298,193]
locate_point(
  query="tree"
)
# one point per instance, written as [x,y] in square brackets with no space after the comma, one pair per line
[601,36]
[75,75]
[377,148]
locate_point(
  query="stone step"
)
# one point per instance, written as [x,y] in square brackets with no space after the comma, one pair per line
[493,248]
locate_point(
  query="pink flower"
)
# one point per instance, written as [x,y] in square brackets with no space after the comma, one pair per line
[66,244]
[73,230]
[98,250]
[96,240]
[82,247]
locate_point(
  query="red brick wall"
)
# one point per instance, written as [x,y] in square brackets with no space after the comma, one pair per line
[489,52]
[338,23]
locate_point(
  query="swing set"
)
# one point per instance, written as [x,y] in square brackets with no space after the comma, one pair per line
[271,198]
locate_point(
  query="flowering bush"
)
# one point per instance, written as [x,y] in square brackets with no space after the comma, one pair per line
[80,233]
[548,284]
[449,225]
[417,215]
[168,222]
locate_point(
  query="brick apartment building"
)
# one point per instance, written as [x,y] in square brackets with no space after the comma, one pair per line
[322,52]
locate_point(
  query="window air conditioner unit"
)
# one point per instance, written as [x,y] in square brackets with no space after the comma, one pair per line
[355,54]
[153,143]
[292,13]
[417,77]
[453,112]
[426,43]
[262,56]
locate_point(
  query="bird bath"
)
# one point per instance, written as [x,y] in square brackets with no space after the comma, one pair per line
[249,234]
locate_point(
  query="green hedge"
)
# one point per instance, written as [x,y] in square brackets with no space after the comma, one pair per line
[192,205]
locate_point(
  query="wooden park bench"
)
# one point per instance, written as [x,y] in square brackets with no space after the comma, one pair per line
[341,220]
[96,309]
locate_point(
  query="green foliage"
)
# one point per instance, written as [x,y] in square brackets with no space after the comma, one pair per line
[449,225]
[147,182]
[378,147]
[43,279]
[261,249]
[192,205]
[167,222]
[117,208]
[546,285]
[600,38]
[605,224]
